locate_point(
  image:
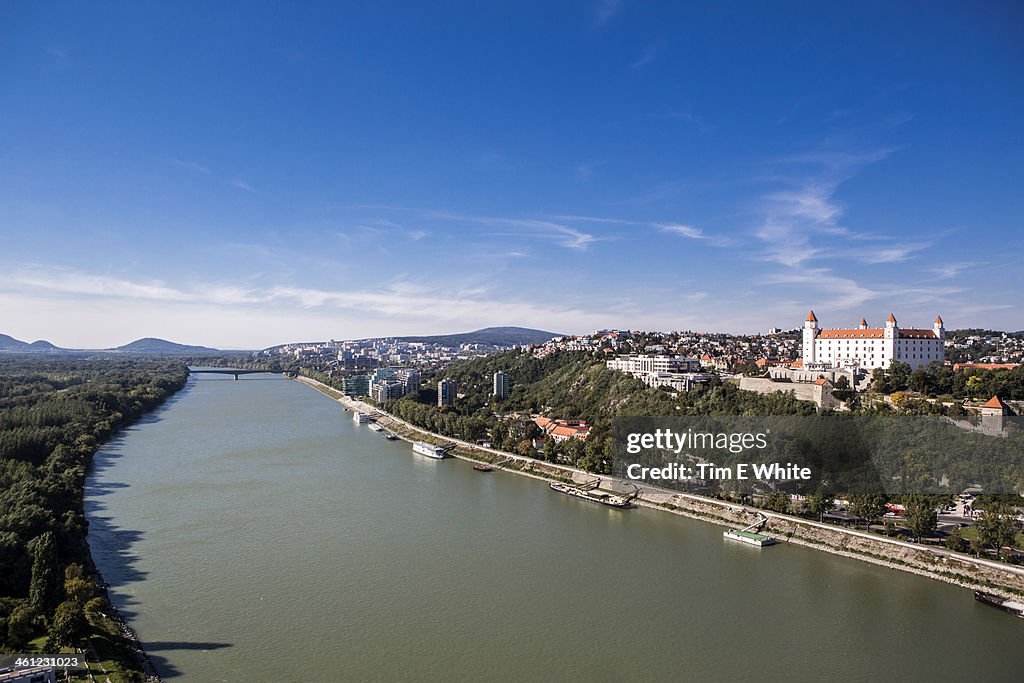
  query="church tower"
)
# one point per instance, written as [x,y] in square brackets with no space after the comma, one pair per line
[810,334]
[938,329]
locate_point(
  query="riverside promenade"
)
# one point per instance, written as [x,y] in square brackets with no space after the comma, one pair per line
[937,563]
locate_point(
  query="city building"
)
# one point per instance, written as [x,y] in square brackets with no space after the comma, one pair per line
[678,373]
[867,348]
[563,430]
[446,389]
[387,384]
[387,390]
[356,385]
[644,363]
[501,385]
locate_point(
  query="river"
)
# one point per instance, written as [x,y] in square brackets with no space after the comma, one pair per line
[252,532]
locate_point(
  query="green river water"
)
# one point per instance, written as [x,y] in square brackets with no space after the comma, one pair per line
[252,532]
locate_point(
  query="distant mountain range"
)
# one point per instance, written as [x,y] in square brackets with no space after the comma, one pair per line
[149,345]
[498,336]
[153,345]
[8,343]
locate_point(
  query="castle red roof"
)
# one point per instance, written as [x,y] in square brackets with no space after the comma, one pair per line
[852,334]
[875,333]
[917,334]
[811,316]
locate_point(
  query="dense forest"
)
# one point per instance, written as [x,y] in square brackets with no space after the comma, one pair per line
[53,415]
[937,380]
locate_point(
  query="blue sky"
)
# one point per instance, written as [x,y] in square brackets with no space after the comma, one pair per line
[246,174]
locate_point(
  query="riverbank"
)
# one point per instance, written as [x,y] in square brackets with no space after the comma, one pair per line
[935,563]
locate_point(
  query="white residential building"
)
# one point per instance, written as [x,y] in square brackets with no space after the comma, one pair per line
[676,372]
[501,385]
[446,389]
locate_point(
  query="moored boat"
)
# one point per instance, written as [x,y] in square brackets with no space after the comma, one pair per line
[483,467]
[429,450]
[360,417]
[1012,606]
[609,499]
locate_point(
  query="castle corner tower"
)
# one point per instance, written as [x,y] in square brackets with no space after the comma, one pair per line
[810,334]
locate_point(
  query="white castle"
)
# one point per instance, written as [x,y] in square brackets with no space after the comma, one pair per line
[867,348]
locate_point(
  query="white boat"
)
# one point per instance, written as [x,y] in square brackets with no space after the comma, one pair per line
[429,450]
[376,427]
[360,417]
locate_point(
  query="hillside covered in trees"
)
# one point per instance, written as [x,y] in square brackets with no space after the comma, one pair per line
[54,413]
[570,386]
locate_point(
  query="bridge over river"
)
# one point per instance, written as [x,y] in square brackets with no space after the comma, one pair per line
[236,372]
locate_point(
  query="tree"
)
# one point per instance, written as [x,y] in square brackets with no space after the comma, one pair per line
[76,586]
[997,527]
[956,542]
[42,592]
[921,516]
[899,400]
[819,503]
[20,626]
[67,626]
[867,506]
[777,501]
[899,375]
[842,390]
[880,382]
[550,449]
[920,381]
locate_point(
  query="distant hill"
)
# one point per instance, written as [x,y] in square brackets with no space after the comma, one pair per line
[9,343]
[498,336]
[153,345]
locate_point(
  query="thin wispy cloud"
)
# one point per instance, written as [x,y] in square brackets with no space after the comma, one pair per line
[242,185]
[948,271]
[834,291]
[651,53]
[605,10]
[802,222]
[586,171]
[562,234]
[684,230]
[894,253]
[193,166]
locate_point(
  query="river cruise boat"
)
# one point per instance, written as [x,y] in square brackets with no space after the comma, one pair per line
[429,450]
[608,499]
[360,417]
[1014,607]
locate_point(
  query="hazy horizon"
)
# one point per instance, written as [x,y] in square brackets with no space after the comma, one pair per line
[240,176]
